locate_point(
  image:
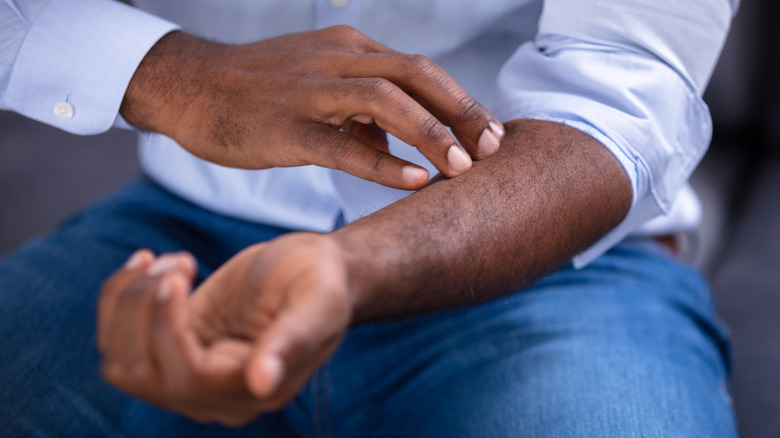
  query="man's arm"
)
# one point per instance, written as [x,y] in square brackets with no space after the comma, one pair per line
[252,334]
[323,97]
[550,192]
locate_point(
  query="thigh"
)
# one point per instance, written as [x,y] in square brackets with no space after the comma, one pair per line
[49,381]
[628,346]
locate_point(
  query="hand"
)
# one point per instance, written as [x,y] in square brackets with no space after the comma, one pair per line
[244,343]
[291,297]
[324,97]
[151,350]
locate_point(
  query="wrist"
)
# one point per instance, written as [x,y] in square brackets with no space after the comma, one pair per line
[357,261]
[166,83]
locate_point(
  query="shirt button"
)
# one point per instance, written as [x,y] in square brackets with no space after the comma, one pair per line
[63,110]
[339,3]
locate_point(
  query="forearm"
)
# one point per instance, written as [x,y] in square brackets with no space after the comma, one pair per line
[549,192]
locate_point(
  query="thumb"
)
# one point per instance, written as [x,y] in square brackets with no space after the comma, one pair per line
[301,338]
[284,344]
[265,374]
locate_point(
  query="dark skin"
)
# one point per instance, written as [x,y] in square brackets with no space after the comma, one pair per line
[324,97]
[549,193]
[250,336]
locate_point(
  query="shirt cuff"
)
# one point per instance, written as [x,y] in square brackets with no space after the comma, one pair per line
[76,62]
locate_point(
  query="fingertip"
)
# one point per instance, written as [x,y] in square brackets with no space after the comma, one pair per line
[164,264]
[458,160]
[139,258]
[488,143]
[415,176]
[171,286]
[164,290]
[265,374]
[188,263]
[170,297]
[497,128]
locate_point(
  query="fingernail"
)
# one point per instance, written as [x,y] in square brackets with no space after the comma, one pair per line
[414,174]
[273,369]
[497,129]
[135,260]
[488,143]
[458,160]
[164,292]
[161,266]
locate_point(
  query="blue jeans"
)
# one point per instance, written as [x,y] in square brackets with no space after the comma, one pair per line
[628,346]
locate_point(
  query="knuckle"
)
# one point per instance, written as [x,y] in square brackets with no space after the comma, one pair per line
[377,89]
[418,65]
[314,137]
[110,371]
[432,131]
[344,31]
[138,373]
[128,377]
[340,149]
[378,160]
[469,110]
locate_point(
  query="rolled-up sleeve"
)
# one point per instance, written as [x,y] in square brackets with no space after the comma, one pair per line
[631,74]
[67,63]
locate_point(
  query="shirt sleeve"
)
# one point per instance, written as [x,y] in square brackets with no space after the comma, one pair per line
[67,63]
[631,74]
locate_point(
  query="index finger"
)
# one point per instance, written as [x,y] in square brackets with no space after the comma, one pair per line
[478,130]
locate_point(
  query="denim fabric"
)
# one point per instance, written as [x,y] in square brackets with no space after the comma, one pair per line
[627,347]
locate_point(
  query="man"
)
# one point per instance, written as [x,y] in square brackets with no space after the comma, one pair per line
[603,124]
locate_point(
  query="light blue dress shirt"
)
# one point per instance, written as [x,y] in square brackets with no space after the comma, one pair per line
[628,72]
